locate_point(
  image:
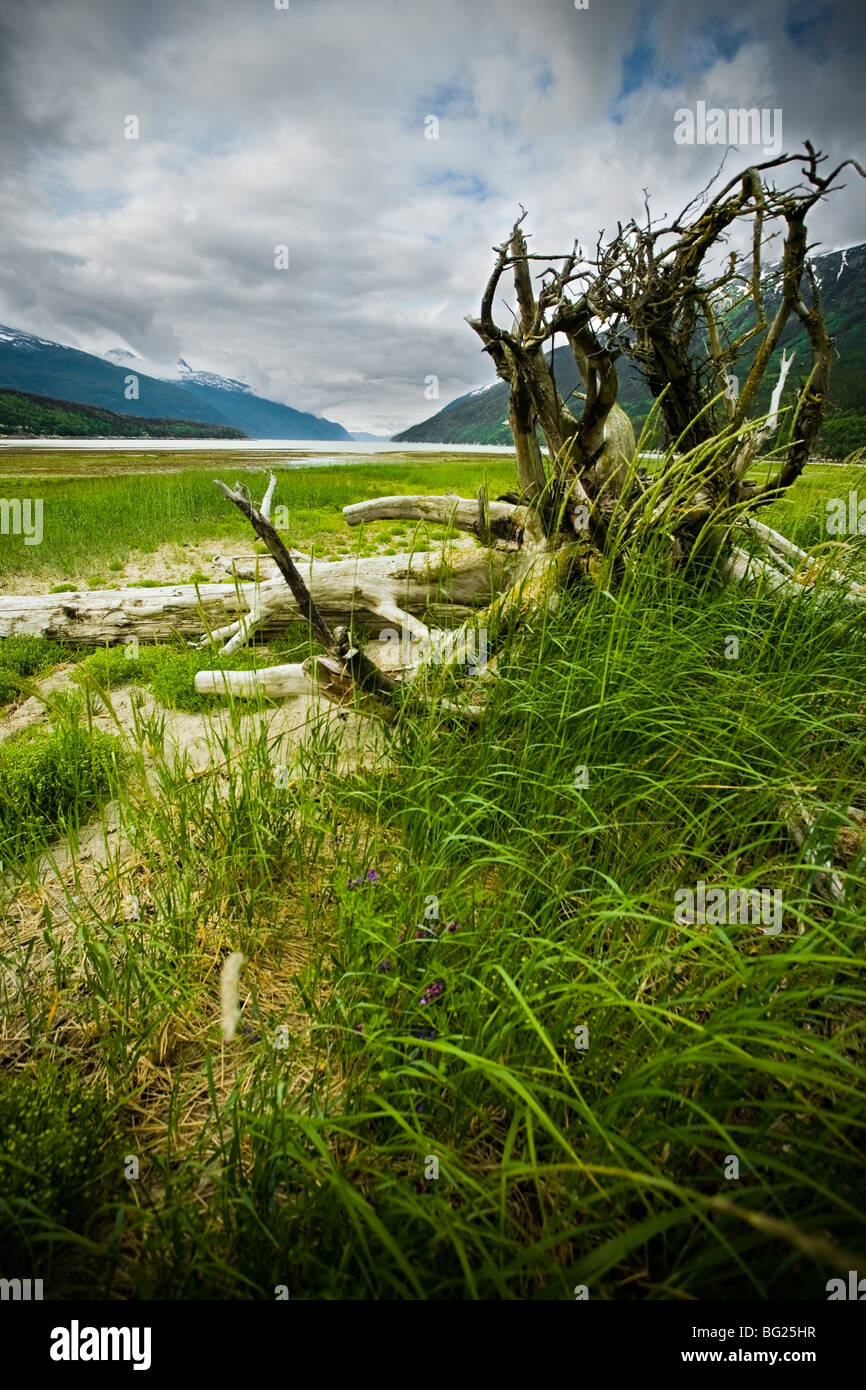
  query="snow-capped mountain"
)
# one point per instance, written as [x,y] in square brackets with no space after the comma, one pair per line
[121,356]
[181,372]
[219,383]
[26,342]
[128,384]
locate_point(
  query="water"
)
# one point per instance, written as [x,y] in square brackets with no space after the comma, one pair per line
[335,450]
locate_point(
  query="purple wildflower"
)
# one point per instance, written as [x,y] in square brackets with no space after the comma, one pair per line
[451,926]
[384,967]
[372,876]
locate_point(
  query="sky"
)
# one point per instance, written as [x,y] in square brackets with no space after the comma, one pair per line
[309,127]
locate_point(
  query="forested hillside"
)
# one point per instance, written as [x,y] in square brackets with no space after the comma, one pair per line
[27,416]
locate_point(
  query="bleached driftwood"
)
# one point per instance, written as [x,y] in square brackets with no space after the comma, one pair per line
[92,617]
[274,681]
[630,297]
[486,520]
[744,568]
[369,591]
[780,577]
[816,564]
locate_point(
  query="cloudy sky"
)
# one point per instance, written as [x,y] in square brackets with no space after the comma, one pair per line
[308,127]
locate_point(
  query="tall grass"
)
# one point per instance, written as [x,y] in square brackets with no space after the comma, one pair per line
[93,522]
[427,934]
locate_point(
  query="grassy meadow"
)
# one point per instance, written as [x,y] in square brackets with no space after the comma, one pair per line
[101,525]
[478,1057]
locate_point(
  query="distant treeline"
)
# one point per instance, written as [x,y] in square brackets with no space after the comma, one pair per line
[26,416]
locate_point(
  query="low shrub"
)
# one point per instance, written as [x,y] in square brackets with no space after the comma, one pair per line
[26,656]
[49,778]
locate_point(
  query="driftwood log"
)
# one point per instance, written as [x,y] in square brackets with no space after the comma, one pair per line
[373,591]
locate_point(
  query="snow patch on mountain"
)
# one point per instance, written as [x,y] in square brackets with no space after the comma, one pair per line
[180,374]
[17,338]
[478,391]
[185,373]
[121,356]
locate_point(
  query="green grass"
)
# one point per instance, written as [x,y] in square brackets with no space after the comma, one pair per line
[59,1160]
[305,1164]
[92,523]
[169,670]
[431,1010]
[50,779]
[24,657]
[802,514]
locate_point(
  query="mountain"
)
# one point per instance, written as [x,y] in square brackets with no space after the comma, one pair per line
[45,368]
[188,377]
[480,416]
[841,279]
[24,415]
[257,417]
[361,436]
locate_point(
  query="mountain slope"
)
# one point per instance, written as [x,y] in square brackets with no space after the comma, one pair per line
[841,277]
[260,418]
[41,367]
[479,417]
[24,415]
